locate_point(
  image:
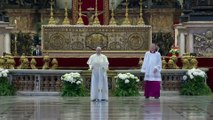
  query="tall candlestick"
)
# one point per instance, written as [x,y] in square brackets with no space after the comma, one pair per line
[112,20]
[66,19]
[51,20]
[80,20]
[96,20]
[126,20]
[141,21]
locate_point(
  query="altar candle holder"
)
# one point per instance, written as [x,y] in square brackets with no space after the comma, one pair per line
[96,20]
[141,21]
[80,20]
[66,19]
[126,20]
[51,20]
[112,20]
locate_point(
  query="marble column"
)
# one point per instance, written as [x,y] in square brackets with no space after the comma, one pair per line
[191,43]
[182,43]
[7,42]
[176,37]
[1,44]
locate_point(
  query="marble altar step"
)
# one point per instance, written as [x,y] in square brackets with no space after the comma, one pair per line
[32,93]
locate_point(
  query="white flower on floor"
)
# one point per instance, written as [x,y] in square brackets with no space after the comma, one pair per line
[78,82]
[137,80]
[191,76]
[73,78]
[122,76]
[193,73]
[3,73]
[126,81]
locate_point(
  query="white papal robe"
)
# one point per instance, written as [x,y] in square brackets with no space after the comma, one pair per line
[99,83]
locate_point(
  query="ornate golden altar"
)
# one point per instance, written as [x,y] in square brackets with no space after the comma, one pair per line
[80,41]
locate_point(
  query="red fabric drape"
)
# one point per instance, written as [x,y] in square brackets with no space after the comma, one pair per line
[91,4]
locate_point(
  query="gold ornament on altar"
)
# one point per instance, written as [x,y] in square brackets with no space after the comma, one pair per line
[51,20]
[21,61]
[33,63]
[10,63]
[2,62]
[126,20]
[193,62]
[80,20]
[24,62]
[66,19]
[46,60]
[171,64]
[141,21]
[185,62]
[175,59]
[164,63]
[140,63]
[95,40]
[112,20]
[96,20]
[54,64]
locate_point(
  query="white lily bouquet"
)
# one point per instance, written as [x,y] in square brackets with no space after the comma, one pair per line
[3,73]
[127,84]
[6,89]
[73,78]
[194,83]
[72,85]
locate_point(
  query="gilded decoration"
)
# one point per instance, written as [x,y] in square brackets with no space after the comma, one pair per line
[56,41]
[203,44]
[94,40]
[110,38]
[161,21]
[136,41]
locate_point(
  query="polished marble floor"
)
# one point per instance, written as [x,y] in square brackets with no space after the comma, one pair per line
[117,108]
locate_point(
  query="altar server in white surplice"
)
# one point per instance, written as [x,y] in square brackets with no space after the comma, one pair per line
[152,66]
[98,63]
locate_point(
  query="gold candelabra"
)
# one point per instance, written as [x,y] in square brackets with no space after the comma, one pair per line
[96,20]
[51,20]
[66,19]
[80,20]
[141,21]
[126,20]
[112,20]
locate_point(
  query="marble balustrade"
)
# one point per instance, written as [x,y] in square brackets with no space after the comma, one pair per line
[49,80]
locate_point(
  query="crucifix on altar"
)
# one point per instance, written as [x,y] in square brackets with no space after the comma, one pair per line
[91,11]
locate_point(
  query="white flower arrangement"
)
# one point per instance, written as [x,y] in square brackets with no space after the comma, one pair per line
[73,78]
[126,77]
[191,74]
[3,73]
[127,84]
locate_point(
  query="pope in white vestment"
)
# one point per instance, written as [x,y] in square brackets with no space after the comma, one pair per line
[98,63]
[152,66]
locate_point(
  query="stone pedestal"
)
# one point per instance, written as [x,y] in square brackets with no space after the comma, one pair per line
[195,37]
[5,38]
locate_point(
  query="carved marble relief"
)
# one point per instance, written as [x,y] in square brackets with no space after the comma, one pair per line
[203,43]
[110,38]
